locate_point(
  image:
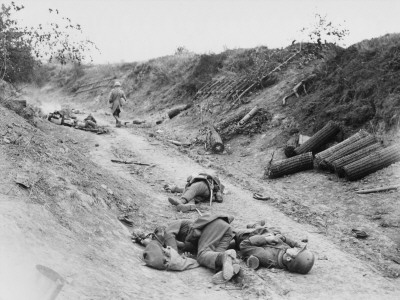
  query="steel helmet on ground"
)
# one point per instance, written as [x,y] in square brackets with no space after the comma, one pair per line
[302,263]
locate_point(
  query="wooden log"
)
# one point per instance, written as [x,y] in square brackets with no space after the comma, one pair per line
[319,138]
[216,87]
[360,144]
[248,88]
[222,88]
[229,88]
[214,141]
[291,144]
[209,88]
[20,103]
[137,122]
[375,161]
[348,159]
[291,165]
[319,157]
[177,143]
[237,88]
[129,162]
[381,189]
[231,119]
[249,115]
[199,93]
[177,110]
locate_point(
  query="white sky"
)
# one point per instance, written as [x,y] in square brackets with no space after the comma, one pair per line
[134,30]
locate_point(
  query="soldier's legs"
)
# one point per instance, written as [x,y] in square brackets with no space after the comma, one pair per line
[212,258]
[186,202]
[195,190]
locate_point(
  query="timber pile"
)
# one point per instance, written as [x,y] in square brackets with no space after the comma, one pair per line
[291,165]
[358,145]
[359,155]
[375,161]
[231,120]
[319,157]
[94,85]
[236,88]
[319,139]
[255,124]
[348,159]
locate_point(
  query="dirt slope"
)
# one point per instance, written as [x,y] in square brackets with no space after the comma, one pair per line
[66,218]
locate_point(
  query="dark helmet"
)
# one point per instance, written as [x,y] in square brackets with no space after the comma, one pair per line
[302,263]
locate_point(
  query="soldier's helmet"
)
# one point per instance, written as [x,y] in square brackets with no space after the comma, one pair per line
[117,83]
[302,263]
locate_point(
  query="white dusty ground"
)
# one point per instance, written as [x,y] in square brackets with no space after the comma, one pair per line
[98,260]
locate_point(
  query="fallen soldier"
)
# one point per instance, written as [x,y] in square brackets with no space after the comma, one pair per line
[268,248]
[209,237]
[199,188]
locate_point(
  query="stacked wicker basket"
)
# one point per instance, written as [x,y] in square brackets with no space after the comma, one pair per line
[354,158]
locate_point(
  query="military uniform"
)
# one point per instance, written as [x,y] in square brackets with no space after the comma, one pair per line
[199,188]
[116,100]
[210,235]
[253,242]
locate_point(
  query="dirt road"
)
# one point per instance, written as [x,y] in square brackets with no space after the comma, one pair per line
[79,236]
[344,276]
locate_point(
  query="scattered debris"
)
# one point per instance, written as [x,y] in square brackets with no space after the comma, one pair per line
[138,122]
[303,138]
[126,220]
[381,189]
[360,234]
[179,143]
[260,197]
[23,181]
[291,144]
[129,162]
[295,90]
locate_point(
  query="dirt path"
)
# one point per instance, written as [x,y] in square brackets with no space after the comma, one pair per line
[345,276]
[92,250]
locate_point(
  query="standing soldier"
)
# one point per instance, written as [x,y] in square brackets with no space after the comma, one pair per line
[117,99]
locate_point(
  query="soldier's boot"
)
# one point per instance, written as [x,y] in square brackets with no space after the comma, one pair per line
[230,267]
[186,207]
[256,224]
[252,262]
[173,201]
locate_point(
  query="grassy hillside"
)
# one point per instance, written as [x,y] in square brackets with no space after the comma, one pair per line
[356,86]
